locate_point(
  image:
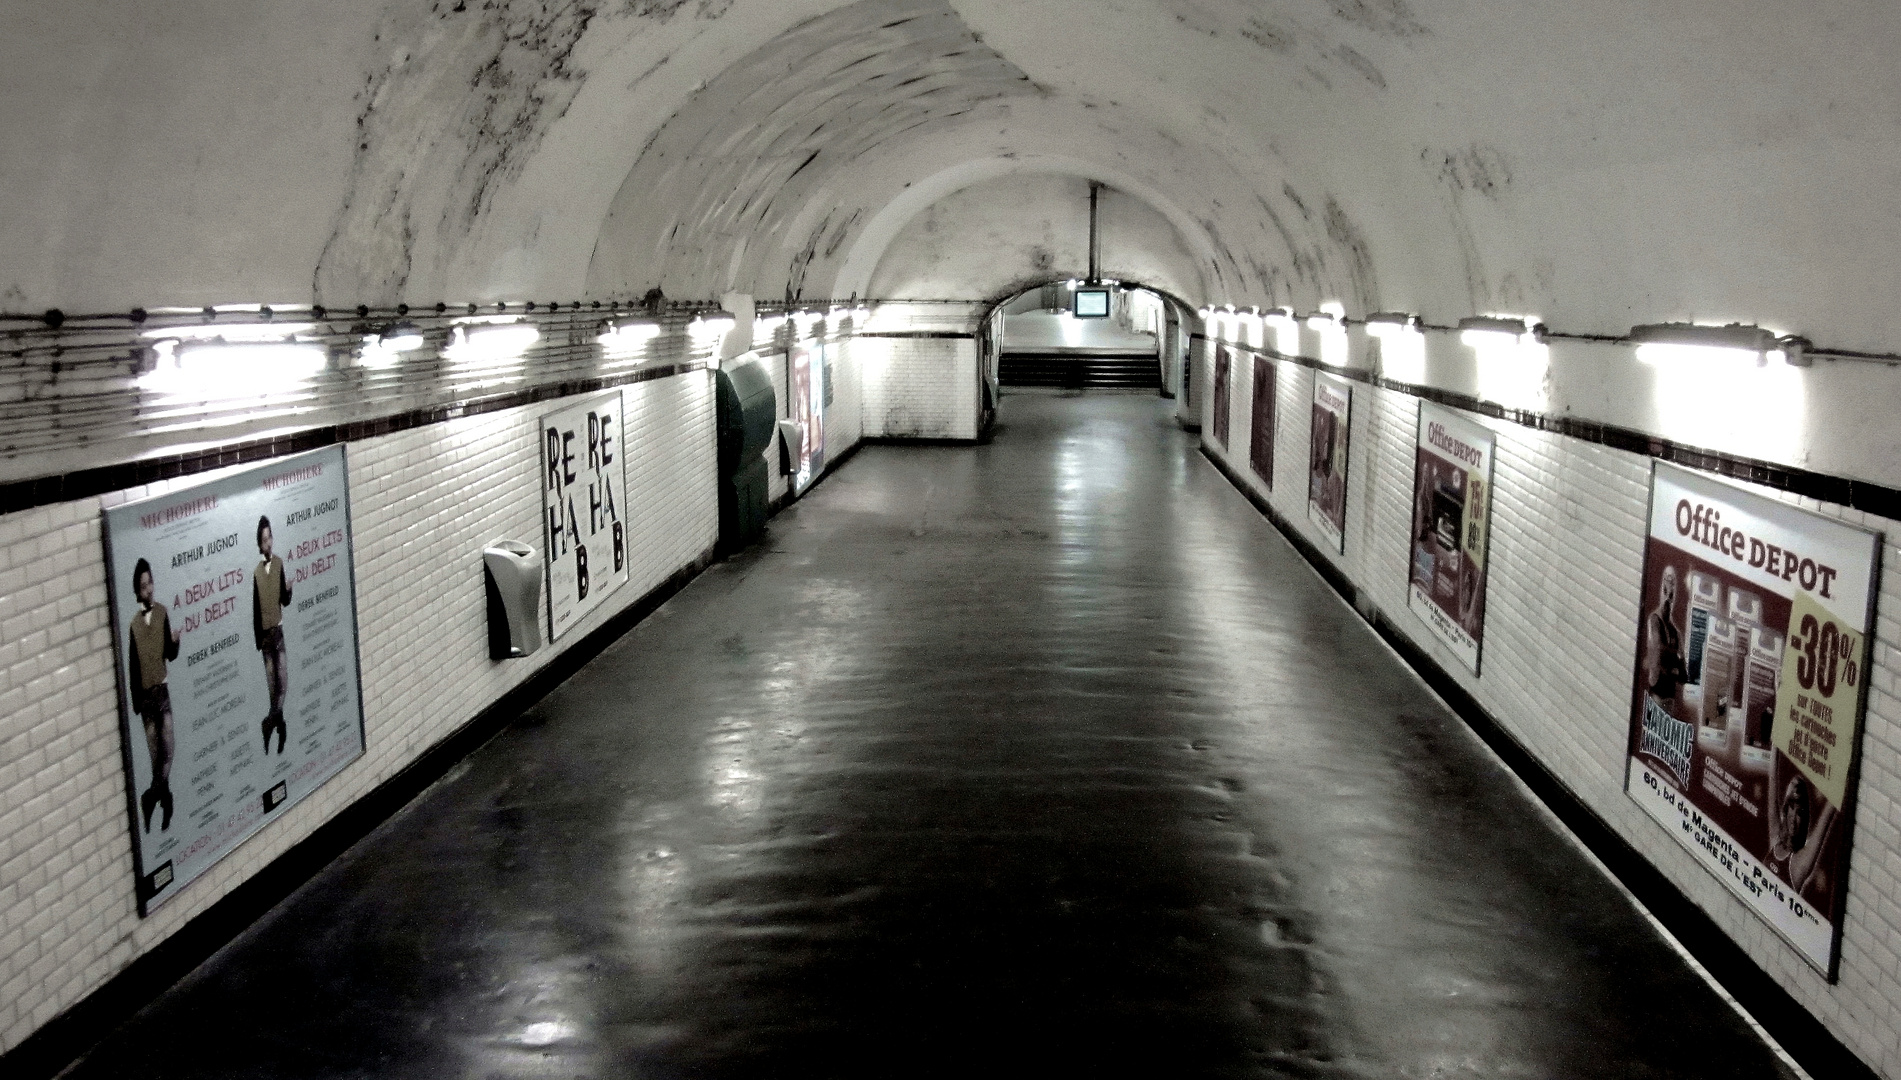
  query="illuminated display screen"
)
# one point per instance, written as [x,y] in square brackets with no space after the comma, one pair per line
[1092,303]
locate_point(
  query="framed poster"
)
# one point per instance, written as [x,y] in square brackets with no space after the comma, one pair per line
[1452,519]
[234,620]
[1218,400]
[1747,697]
[808,409]
[1327,458]
[1261,449]
[584,507]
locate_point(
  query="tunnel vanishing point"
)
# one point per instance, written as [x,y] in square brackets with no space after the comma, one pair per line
[753,538]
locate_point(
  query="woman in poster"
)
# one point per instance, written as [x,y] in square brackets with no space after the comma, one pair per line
[1801,825]
[154,644]
[270,592]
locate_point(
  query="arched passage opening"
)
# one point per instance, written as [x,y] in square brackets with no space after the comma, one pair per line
[1075,334]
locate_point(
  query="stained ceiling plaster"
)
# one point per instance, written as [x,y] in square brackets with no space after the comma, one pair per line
[1597,163]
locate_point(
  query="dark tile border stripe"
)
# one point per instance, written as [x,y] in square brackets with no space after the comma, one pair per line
[1860,494]
[82,483]
[920,335]
[73,1034]
[1812,1045]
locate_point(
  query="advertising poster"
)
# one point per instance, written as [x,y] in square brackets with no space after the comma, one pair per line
[234,617]
[1747,700]
[1327,458]
[1218,401]
[1261,450]
[808,409]
[1452,518]
[584,508]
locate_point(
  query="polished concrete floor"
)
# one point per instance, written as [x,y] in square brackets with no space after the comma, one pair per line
[1043,758]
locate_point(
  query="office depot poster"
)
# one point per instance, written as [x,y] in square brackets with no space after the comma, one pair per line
[1261,449]
[1747,700]
[1452,520]
[234,615]
[584,508]
[1218,401]
[1327,458]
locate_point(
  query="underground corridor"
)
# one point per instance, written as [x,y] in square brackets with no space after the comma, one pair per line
[868,538]
[1044,757]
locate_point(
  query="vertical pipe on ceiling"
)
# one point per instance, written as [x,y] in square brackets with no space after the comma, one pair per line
[1095,233]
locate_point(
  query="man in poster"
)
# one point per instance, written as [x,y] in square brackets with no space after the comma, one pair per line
[270,593]
[1665,670]
[190,743]
[154,645]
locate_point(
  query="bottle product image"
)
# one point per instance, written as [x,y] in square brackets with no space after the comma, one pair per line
[1763,672]
[1720,652]
[1745,610]
[1706,604]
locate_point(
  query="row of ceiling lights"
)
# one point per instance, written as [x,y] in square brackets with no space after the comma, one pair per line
[244,355]
[1655,342]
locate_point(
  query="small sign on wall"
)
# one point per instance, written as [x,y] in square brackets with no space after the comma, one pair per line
[584,508]
[1452,522]
[234,613]
[1327,457]
[1748,694]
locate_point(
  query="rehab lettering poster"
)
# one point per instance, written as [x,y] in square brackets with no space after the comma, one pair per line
[1218,401]
[1452,520]
[1747,699]
[1261,449]
[1327,458]
[234,615]
[584,508]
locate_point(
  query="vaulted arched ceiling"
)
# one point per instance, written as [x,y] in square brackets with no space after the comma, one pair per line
[1596,162]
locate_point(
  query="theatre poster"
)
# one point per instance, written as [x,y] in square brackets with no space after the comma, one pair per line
[1327,458]
[234,620]
[1452,520]
[1747,698]
[584,508]
[1261,449]
[1219,400]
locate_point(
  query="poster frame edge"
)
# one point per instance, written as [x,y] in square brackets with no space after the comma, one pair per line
[356,622]
[547,538]
[145,901]
[1831,971]
[1346,477]
[1491,456]
[121,693]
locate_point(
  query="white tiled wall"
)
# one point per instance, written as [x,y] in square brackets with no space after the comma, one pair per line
[424,504]
[920,387]
[1560,637]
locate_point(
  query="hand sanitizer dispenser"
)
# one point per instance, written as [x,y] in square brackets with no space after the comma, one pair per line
[514,599]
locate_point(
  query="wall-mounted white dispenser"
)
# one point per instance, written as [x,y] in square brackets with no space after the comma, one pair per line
[513,571]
